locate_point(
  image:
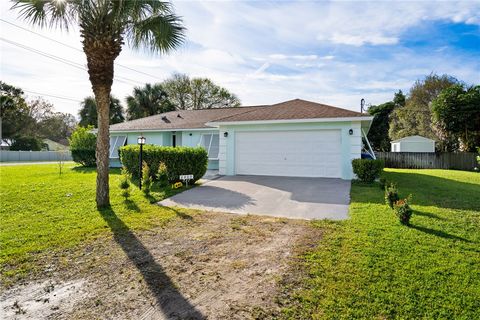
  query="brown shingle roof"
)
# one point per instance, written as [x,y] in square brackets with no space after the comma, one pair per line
[293,109]
[180,119]
[195,119]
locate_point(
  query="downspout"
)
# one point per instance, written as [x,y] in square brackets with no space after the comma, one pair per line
[369,146]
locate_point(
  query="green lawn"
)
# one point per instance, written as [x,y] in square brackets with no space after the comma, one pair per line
[371,267]
[42,212]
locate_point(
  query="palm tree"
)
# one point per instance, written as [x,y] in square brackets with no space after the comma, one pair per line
[148,101]
[105,25]
[88,112]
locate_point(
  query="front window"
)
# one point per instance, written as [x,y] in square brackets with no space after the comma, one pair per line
[210,141]
[115,143]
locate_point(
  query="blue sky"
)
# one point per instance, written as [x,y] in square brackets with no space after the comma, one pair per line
[269,51]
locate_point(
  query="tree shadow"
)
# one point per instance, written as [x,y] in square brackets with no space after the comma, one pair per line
[429,215]
[429,190]
[439,233]
[131,205]
[170,301]
[179,213]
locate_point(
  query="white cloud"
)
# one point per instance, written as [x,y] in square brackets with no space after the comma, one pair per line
[238,44]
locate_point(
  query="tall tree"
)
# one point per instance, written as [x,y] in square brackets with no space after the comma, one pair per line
[416,117]
[13,109]
[88,112]
[457,111]
[198,93]
[148,101]
[105,25]
[178,90]
[378,134]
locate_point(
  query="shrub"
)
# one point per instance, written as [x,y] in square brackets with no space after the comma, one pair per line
[383,183]
[26,144]
[162,175]
[125,184]
[391,195]
[82,146]
[403,210]
[178,160]
[146,179]
[367,170]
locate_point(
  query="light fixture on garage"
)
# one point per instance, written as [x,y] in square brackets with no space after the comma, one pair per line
[350,132]
[225,134]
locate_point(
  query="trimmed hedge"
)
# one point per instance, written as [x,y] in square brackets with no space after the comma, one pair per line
[178,160]
[367,170]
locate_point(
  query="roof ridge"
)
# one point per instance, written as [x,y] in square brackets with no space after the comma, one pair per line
[233,115]
[316,103]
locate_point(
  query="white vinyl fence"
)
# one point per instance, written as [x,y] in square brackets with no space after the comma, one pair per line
[26,156]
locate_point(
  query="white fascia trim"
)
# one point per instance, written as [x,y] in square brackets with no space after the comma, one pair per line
[159,130]
[217,124]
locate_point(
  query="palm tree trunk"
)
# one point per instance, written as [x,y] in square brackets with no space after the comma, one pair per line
[102,97]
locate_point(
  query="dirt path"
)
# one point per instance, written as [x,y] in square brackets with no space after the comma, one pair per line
[212,266]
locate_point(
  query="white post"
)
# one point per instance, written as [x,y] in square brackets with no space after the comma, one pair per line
[369,146]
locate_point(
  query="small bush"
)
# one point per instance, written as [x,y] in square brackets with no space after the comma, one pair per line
[383,183]
[82,146]
[391,195]
[178,160]
[125,183]
[403,211]
[146,179]
[367,170]
[162,175]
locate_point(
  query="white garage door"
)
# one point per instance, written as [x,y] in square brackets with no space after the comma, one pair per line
[289,153]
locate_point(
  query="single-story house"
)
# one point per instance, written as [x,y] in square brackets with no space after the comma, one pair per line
[292,138]
[413,144]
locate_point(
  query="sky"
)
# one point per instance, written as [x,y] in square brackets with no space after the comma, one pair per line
[267,51]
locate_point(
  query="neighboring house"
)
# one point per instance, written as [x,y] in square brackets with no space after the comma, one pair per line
[5,144]
[413,144]
[54,146]
[292,138]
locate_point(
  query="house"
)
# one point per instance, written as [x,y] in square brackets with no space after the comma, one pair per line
[292,138]
[413,144]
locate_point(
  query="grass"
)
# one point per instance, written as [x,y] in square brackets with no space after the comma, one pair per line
[42,212]
[372,267]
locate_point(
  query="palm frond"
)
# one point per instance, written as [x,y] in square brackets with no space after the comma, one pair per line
[158,33]
[47,13]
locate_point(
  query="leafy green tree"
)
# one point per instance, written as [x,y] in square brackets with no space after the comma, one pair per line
[198,93]
[148,101]
[457,111]
[104,27]
[88,112]
[378,134]
[178,90]
[26,144]
[13,111]
[82,145]
[415,118]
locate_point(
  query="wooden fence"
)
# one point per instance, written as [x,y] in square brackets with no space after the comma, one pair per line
[427,160]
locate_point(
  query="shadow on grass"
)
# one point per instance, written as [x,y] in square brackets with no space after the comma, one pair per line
[429,215]
[131,205]
[170,301]
[439,233]
[429,190]
[179,213]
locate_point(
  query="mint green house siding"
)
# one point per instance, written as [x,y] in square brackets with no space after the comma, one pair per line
[351,144]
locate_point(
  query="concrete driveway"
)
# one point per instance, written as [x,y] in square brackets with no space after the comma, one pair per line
[298,198]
